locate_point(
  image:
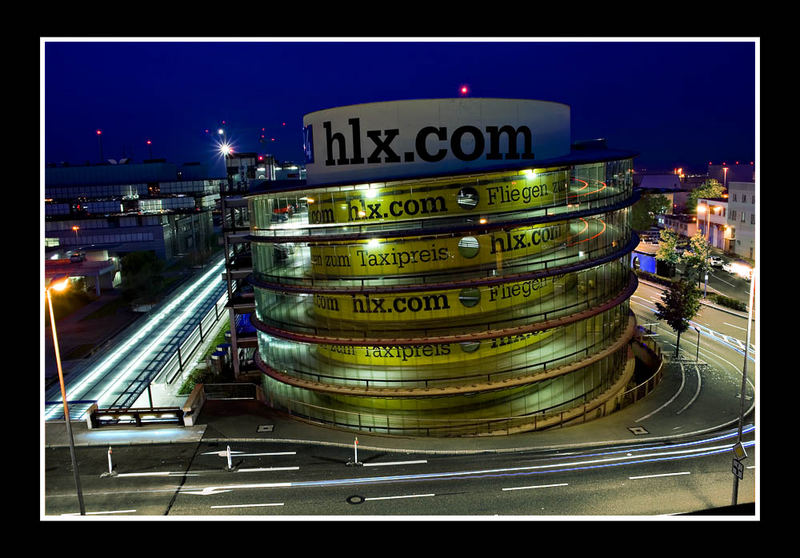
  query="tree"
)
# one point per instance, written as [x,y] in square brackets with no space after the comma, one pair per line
[681,304]
[667,253]
[709,189]
[645,211]
[141,275]
[695,260]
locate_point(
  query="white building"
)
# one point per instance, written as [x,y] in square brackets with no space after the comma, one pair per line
[742,218]
[712,221]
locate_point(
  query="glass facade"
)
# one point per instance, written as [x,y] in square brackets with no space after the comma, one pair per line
[461,305]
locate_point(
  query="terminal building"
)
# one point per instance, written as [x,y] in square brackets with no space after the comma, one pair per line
[125,206]
[449,267]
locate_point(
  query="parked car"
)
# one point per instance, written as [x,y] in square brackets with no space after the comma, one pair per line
[716,261]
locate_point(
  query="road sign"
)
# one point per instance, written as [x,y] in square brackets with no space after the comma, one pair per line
[738,451]
[738,469]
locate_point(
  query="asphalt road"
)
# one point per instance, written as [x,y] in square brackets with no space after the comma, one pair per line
[313,481]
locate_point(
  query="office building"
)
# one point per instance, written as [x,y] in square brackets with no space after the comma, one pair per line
[126,207]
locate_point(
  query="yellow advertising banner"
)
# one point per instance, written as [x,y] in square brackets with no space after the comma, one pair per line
[428,354]
[512,191]
[434,305]
[396,256]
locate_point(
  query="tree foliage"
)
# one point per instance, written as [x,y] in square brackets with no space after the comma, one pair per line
[695,260]
[646,210]
[142,277]
[668,247]
[681,302]
[709,189]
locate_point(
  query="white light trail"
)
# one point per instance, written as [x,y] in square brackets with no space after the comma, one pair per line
[394,463]
[125,375]
[75,390]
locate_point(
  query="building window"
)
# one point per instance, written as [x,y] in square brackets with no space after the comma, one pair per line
[752,218]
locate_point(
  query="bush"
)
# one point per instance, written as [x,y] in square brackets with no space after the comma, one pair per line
[653,278]
[729,302]
[196,376]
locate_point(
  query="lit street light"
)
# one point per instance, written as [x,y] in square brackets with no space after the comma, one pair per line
[59,283]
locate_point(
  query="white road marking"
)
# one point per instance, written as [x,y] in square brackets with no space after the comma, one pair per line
[154,474]
[394,463]
[696,393]
[102,512]
[246,505]
[680,389]
[260,469]
[259,454]
[535,486]
[663,475]
[737,327]
[404,496]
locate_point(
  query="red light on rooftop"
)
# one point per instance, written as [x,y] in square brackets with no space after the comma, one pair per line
[99,132]
[463,90]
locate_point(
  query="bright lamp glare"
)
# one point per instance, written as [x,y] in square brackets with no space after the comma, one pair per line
[225,148]
[60,285]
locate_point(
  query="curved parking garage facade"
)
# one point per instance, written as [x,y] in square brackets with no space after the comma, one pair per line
[451,267]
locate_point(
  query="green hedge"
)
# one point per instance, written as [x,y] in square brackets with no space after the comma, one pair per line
[732,303]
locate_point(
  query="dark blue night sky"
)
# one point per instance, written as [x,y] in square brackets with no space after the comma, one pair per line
[676,103]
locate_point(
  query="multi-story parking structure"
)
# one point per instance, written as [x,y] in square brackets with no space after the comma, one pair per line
[486,292]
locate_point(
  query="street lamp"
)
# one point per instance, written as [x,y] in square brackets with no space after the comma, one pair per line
[705,208]
[744,378]
[697,356]
[100,143]
[59,283]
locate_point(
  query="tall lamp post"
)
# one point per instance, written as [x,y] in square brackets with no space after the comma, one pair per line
[100,143]
[744,379]
[59,284]
[706,208]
